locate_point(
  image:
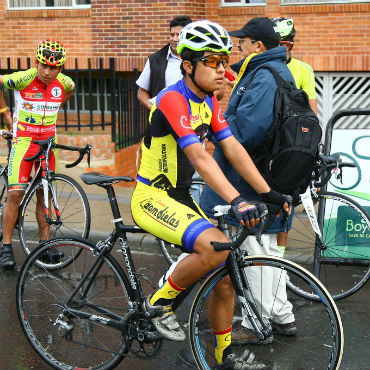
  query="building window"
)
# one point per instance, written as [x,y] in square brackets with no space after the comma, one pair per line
[242,2]
[323,1]
[28,4]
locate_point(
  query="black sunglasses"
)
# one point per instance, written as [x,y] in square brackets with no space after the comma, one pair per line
[55,54]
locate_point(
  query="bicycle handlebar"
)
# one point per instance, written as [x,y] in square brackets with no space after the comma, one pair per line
[329,163]
[45,145]
[264,209]
[6,134]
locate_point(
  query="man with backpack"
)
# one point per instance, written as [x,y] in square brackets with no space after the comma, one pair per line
[250,114]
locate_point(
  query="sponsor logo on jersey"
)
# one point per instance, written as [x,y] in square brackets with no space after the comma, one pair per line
[30,119]
[48,107]
[220,116]
[27,106]
[185,122]
[161,215]
[194,119]
[164,159]
[56,92]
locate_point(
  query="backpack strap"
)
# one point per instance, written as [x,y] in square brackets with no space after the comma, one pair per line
[278,79]
[270,140]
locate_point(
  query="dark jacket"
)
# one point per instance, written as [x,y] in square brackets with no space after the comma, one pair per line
[158,64]
[249,114]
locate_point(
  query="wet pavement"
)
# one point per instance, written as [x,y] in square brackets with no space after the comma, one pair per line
[17,354]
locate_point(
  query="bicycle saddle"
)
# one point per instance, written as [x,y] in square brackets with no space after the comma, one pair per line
[97,178]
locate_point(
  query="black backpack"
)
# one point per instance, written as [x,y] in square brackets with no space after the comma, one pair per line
[287,155]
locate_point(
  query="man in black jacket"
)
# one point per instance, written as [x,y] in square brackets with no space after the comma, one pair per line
[162,68]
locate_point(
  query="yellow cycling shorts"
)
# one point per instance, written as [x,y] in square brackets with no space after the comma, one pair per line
[166,218]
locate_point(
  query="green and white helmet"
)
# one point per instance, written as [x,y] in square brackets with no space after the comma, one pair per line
[204,35]
[285,27]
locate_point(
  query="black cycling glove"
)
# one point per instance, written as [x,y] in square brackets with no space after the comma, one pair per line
[243,210]
[273,197]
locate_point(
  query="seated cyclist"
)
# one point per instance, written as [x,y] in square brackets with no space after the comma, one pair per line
[39,94]
[161,203]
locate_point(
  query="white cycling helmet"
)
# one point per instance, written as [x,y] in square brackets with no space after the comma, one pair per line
[204,35]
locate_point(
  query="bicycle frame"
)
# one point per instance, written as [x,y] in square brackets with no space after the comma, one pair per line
[105,247]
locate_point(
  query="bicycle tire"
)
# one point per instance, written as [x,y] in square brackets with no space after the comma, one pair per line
[40,294]
[344,266]
[3,195]
[319,342]
[75,215]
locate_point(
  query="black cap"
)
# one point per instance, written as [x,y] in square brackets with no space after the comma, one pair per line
[261,29]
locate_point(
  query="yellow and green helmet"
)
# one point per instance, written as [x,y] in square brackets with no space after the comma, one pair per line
[51,52]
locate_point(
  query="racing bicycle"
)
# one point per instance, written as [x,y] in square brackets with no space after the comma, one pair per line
[65,204]
[90,314]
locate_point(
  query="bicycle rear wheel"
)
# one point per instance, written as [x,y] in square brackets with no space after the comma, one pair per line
[62,339]
[73,207]
[3,195]
[342,260]
[318,344]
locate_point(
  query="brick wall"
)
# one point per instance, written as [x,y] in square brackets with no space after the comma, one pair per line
[330,37]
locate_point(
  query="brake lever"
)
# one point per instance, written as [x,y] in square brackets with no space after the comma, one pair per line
[263,211]
[284,221]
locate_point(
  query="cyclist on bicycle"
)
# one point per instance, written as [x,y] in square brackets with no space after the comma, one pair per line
[161,204]
[39,94]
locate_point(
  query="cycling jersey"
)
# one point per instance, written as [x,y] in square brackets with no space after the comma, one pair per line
[36,103]
[178,119]
[303,76]
[36,109]
[161,203]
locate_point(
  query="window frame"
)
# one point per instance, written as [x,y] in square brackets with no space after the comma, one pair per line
[322,2]
[73,6]
[242,3]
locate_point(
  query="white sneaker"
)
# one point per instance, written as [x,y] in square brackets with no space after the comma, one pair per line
[167,324]
[164,277]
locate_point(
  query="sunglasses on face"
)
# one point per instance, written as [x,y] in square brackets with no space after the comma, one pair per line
[56,54]
[214,60]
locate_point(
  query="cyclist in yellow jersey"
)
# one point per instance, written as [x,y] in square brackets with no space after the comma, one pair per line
[172,148]
[302,72]
[39,93]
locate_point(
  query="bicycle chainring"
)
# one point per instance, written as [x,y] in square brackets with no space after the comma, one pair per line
[145,339]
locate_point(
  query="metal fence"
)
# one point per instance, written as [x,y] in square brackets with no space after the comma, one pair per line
[104,99]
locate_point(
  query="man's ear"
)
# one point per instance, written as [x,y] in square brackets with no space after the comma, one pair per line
[260,47]
[188,67]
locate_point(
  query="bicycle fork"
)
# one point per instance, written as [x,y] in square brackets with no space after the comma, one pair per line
[46,186]
[240,283]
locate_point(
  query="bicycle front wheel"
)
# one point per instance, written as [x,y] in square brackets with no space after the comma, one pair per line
[73,206]
[341,259]
[3,195]
[318,344]
[62,339]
